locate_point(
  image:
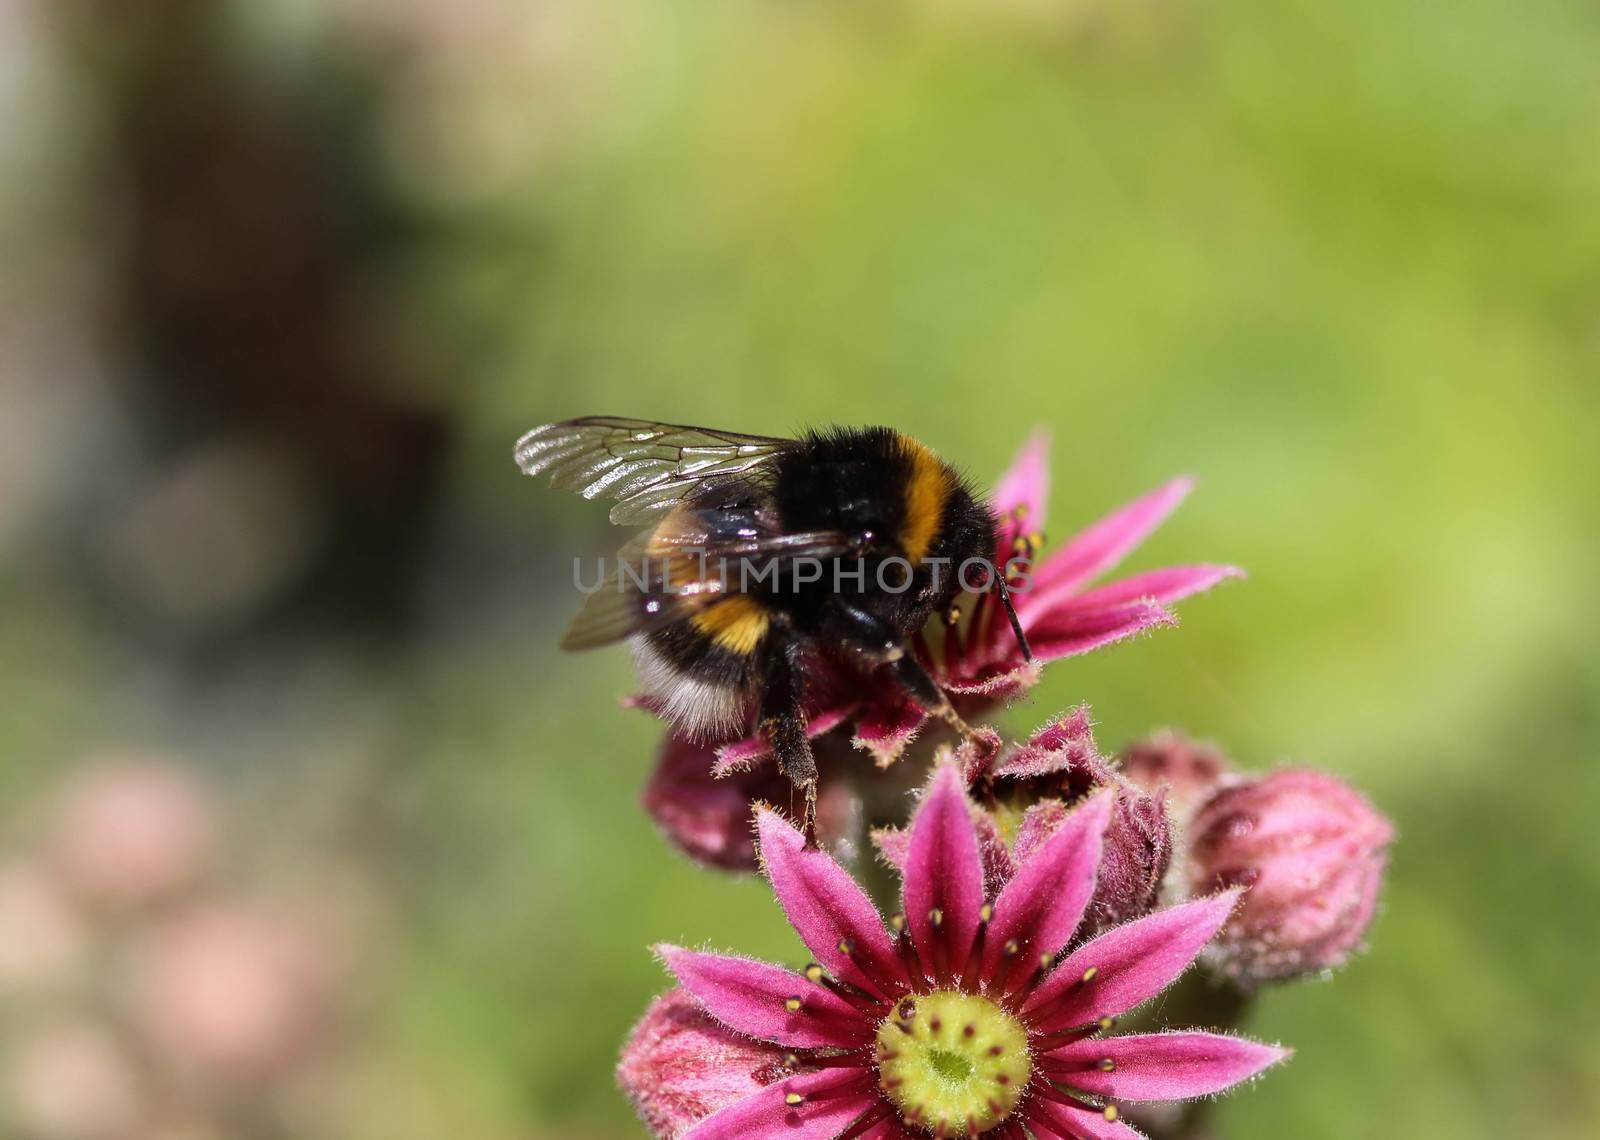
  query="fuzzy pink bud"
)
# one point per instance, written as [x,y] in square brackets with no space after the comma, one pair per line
[1060,766]
[1312,852]
[1190,772]
[680,1065]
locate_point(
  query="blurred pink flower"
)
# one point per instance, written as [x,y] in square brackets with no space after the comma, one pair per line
[1312,852]
[71,1081]
[232,993]
[43,943]
[128,831]
[680,1066]
[962,1015]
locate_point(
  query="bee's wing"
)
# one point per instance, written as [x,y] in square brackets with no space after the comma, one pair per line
[695,558]
[647,467]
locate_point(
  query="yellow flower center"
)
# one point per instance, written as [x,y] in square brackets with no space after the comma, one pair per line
[953,1063]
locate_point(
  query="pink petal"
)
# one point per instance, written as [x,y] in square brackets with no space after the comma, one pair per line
[741,754]
[1169,584]
[1053,1120]
[831,913]
[1132,963]
[680,1065]
[1026,482]
[890,1128]
[1068,630]
[1092,552]
[1043,904]
[1161,1066]
[894,846]
[767,1115]
[1063,746]
[753,998]
[944,875]
[886,732]
[1039,822]
[1002,682]
[706,818]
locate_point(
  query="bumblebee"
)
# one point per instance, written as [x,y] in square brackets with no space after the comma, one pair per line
[762,556]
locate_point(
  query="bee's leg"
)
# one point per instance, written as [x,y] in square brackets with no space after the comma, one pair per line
[878,641]
[782,723]
[909,674]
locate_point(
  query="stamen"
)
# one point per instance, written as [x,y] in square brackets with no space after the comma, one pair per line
[955,642]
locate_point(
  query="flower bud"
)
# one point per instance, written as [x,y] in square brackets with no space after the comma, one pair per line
[1190,772]
[707,817]
[1060,766]
[1133,862]
[680,1065]
[1311,850]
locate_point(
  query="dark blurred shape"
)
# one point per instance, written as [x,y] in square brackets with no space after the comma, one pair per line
[258,235]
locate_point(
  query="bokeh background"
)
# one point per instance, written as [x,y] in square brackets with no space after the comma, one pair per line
[306,830]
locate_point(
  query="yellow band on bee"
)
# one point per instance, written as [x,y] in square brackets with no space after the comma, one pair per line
[927,491]
[737,623]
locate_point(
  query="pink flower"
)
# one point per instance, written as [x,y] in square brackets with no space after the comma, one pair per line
[233,993]
[976,659]
[961,1015]
[132,830]
[680,1066]
[1312,852]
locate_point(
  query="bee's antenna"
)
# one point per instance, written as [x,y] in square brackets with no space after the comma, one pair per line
[1011,612]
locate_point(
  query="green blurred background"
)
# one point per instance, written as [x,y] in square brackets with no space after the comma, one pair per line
[283,280]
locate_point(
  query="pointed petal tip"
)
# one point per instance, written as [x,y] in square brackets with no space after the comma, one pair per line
[1099,806]
[1219,906]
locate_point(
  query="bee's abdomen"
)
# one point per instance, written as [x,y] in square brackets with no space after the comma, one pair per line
[701,670]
